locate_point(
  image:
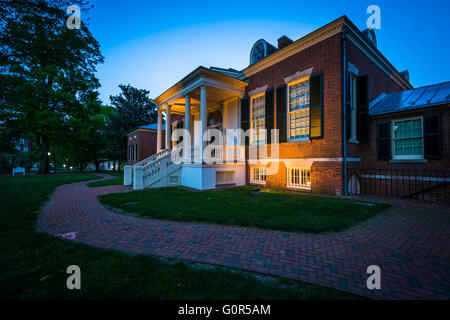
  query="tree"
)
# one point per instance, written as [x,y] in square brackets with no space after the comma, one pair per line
[47,71]
[131,108]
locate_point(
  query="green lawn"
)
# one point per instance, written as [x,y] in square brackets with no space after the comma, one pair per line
[109,182]
[271,209]
[33,265]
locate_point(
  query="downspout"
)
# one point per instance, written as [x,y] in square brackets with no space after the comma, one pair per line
[344,109]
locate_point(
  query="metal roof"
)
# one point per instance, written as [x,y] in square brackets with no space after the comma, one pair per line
[152,126]
[433,95]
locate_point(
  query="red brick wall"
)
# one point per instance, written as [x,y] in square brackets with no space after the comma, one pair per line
[326,177]
[146,141]
[369,151]
[379,82]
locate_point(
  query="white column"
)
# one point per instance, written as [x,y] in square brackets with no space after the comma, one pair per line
[168,129]
[187,127]
[159,132]
[203,119]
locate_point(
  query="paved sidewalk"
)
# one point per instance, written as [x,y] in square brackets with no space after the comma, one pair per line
[411,244]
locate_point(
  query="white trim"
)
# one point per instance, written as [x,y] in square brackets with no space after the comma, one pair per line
[251,121]
[299,186]
[252,175]
[267,161]
[257,91]
[288,116]
[351,67]
[407,157]
[298,75]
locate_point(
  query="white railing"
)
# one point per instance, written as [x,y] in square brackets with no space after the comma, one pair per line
[150,170]
[129,171]
[146,175]
[152,158]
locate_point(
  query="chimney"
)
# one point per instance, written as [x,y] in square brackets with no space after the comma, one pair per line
[284,42]
[405,74]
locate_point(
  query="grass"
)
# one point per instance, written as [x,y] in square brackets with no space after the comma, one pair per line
[271,209]
[33,265]
[110,182]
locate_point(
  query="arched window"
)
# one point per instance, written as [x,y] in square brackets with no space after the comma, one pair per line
[258,51]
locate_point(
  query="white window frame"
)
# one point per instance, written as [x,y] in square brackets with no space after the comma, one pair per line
[407,157]
[300,185]
[252,141]
[288,117]
[259,180]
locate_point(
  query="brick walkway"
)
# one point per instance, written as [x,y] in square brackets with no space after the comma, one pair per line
[410,242]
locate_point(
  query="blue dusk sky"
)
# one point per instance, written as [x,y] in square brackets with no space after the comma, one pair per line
[153,44]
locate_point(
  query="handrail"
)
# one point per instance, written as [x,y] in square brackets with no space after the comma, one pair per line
[152,158]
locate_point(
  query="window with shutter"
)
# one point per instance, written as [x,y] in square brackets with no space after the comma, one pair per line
[298,110]
[407,139]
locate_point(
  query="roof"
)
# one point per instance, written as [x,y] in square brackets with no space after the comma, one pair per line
[229,72]
[152,126]
[428,96]
[342,24]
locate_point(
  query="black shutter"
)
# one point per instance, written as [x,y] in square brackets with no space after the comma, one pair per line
[384,140]
[432,136]
[362,108]
[316,106]
[245,114]
[269,114]
[281,112]
[348,105]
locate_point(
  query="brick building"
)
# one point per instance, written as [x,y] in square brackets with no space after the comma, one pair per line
[315,93]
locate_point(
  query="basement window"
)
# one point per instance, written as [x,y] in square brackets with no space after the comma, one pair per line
[258,175]
[299,178]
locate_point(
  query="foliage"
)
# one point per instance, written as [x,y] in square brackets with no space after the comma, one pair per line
[47,74]
[131,108]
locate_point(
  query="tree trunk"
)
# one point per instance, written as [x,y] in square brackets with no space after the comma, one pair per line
[44,147]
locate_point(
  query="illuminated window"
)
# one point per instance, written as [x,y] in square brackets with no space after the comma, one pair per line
[258,111]
[258,175]
[299,111]
[407,139]
[299,178]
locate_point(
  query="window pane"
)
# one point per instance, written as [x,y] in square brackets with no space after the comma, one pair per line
[299,110]
[408,138]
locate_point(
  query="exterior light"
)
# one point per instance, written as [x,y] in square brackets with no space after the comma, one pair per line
[71,168]
[48,153]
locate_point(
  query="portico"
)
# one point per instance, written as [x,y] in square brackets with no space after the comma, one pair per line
[207,99]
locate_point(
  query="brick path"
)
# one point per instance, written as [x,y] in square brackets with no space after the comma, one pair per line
[410,242]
